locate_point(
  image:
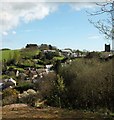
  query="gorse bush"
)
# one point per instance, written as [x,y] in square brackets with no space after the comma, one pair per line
[9,96]
[88,84]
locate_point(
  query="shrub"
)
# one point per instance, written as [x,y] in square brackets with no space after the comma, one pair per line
[88,84]
[9,96]
[30,97]
[23,86]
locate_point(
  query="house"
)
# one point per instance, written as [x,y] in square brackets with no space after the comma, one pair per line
[74,55]
[66,53]
[34,76]
[8,83]
[48,68]
[12,81]
[41,72]
[47,51]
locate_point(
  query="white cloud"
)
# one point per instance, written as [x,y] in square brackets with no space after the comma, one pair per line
[4,33]
[11,14]
[79,6]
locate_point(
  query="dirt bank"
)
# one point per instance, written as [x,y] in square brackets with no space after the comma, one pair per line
[25,112]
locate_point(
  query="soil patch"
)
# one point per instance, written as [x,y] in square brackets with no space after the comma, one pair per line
[25,112]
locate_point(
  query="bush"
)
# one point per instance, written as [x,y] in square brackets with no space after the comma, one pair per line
[52,88]
[23,86]
[88,84]
[30,97]
[46,84]
[9,96]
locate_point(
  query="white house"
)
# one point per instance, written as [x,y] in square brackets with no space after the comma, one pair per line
[48,67]
[12,80]
[66,52]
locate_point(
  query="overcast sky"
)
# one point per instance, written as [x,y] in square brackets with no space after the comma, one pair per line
[64,25]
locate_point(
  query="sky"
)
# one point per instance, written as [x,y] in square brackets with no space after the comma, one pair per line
[64,25]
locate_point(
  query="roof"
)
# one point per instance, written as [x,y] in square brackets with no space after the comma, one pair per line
[67,51]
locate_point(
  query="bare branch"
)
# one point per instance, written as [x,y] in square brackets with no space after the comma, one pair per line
[103,9]
[96,13]
[102,28]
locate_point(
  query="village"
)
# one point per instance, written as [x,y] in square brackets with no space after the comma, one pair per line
[33,74]
[40,76]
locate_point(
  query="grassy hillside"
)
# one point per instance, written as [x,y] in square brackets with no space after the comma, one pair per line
[29,53]
[9,54]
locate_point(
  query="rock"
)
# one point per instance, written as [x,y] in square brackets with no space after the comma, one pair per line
[31,91]
[27,93]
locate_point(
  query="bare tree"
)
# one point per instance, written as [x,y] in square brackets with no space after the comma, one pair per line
[105,26]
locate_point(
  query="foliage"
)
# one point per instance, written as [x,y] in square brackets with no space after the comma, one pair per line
[88,84]
[33,46]
[58,58]
[8,92]
[50,55]
[27,63]
[10,54]
[9,96]
[5,49]
[93,55]
[29,97]
[29,53]
[52,88]
[23,86]
[82,83]
[4,76]
[47,47]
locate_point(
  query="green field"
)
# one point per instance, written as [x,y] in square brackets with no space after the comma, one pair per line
[8,54]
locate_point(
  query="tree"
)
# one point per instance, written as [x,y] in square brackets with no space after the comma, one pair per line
[105,26]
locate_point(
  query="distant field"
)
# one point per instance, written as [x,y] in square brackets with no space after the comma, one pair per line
[8,54]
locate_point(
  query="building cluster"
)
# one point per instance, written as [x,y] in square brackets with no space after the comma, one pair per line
[32,75]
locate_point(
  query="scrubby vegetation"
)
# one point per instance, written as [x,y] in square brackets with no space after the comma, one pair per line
[88,84]
[76,83]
